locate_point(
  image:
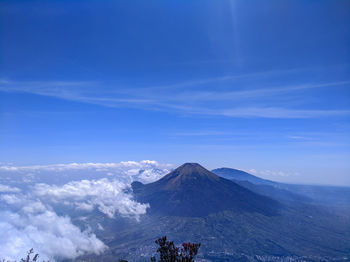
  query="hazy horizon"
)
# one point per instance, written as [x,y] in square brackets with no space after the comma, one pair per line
[273,175]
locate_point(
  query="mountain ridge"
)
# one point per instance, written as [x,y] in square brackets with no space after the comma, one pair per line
[240,175]
[192,190]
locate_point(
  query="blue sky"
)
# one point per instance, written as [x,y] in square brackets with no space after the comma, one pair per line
[261,85]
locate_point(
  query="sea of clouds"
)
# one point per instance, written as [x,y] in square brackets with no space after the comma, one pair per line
[37,204]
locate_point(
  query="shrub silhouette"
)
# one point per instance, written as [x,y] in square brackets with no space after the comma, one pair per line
[29,257]
[168,252]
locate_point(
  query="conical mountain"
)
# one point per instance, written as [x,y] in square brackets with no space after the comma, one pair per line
[192,190]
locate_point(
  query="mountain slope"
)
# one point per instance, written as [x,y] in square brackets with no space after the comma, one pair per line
[317,194]
[193,204]
[239,175]
[260,186]
[192,190]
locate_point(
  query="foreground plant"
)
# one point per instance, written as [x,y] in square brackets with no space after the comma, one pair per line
[168,252]
[28,258]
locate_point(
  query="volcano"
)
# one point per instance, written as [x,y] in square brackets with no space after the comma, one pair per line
[191,190]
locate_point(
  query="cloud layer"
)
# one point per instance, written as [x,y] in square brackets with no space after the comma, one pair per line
[37,203]
[109,196]
[51,235]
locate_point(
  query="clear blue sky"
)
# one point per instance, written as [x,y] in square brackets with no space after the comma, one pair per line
[261,85]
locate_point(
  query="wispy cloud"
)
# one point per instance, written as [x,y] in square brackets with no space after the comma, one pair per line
[281,113]
[258,92]
[202,133]
[79,91]
[272,174]
[298,137]
[223,78]
[185,98]
[145,171]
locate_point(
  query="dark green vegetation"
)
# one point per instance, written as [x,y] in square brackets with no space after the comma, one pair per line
[232,223]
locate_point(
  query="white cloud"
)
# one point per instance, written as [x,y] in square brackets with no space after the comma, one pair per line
[276,112]
[189,97]
[271,174]
[28,217]
[8,189]
[109,196]
[87,206]
[51,235]
[27,222]
[10,199]
[126,171]
[100,227]
[253,171]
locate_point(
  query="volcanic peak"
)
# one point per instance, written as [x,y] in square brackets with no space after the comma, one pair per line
[192,190]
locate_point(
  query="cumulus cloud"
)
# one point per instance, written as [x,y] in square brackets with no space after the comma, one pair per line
[26,222]
[10,199]
[109,196]
[52,235]
[8,189]
[31,197]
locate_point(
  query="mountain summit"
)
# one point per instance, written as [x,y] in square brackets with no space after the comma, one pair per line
[192,190]
[188,173]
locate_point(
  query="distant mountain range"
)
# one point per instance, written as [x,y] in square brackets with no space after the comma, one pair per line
[261,186]
[325,195]
[234,215]
[239,175]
